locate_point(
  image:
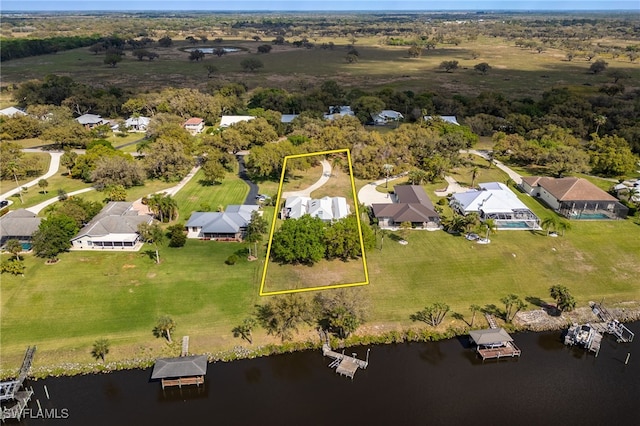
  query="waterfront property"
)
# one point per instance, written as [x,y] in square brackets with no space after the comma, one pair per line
[18,225]
[574,198]
[115,227]
[411,204]
[495,201]
[229,225]
[494,343]
[180,371]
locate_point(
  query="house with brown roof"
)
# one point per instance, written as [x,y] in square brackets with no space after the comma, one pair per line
[412,204]
[575,198]
[194,125]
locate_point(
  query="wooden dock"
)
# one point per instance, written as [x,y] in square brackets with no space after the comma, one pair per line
[183,381]
[509,350]
[16,411]
[345,365]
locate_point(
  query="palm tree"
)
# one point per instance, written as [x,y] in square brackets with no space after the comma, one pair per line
[490,226]
[549,223]
[600,120]
[383,233]
[164,327]
[388,168]
[474,175]
[13,168]
[563,225]
[100,349]
[473,309]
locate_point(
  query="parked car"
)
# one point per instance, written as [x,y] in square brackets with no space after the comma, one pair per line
[262,197]
[4,203]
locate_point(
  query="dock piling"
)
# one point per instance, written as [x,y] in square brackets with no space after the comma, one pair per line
[626,361]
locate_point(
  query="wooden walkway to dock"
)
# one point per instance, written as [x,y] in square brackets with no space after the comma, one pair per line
[345,365]
[491,320]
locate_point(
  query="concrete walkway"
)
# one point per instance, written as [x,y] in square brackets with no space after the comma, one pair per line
[517,178]
[38,207]
[326,174]
[369,195]
[54,165]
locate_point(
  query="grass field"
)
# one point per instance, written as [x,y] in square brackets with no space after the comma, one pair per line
[190,198]
[63,308]
[517,71]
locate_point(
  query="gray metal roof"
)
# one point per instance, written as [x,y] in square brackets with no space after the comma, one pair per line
[490,336]
[184,366]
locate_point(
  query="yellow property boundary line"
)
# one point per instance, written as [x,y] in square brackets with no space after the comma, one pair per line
[273,226]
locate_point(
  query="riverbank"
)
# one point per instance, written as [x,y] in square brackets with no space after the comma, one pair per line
[537,320]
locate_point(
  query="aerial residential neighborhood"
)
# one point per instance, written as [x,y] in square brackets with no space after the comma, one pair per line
[373,211]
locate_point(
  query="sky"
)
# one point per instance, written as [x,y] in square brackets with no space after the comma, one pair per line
[307,5]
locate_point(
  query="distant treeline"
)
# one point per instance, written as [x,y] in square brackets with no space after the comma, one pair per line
[22,48]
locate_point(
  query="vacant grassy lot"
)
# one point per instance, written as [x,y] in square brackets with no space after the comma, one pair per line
[194,196]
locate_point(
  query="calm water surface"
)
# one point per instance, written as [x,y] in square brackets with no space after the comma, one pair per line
[438,383]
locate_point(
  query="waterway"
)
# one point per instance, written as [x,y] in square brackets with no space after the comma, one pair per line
[435,383]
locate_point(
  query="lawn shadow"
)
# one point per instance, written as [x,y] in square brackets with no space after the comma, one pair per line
[492,309]
[458,316]
[151,254]
[551,310]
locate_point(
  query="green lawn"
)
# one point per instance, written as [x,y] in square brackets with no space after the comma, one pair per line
[190,198]
[63,308]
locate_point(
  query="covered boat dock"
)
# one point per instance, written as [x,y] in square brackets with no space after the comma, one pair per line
[494,343]
[180,371]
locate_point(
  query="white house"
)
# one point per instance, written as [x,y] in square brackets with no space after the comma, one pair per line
[91,120]
[115,227]
[451,119]
[229,225]
[194,125]
[137,124]
[11,112]
[325,208]
[497,202]
[385,116]
[339,111]
[230,120]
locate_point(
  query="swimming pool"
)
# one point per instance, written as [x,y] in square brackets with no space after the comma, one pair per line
[518,224]
[590,216]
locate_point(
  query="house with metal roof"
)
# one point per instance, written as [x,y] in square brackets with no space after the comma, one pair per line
[91,120]
[137,124]
[114,228]
[574,198]
[230,120]
[325,208]
[411,204]
[11,112]
[451,119]
[18,225]
[386,116]
[229,225]
[495,201]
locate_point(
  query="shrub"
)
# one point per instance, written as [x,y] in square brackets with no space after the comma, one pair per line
[231,260]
